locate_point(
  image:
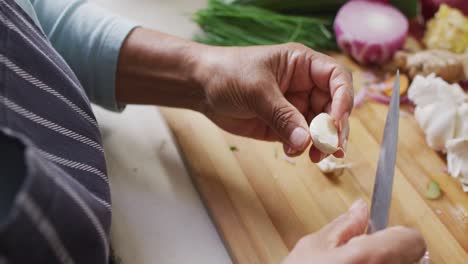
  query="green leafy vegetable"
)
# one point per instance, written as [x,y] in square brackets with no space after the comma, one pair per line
[233,148]
[297,6]
[433,190]
[408,7]
[239,25]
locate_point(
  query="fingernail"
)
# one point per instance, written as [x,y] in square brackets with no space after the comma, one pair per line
[299,138]
[358,205]
[345,144]
[340,153]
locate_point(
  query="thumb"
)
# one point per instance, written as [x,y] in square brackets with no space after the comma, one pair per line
[285,121]
[350,224]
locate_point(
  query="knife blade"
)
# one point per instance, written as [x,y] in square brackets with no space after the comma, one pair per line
[382,193]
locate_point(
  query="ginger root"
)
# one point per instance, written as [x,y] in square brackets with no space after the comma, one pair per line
[449,66]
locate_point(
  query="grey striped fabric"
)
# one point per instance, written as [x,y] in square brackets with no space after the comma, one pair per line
[62,211]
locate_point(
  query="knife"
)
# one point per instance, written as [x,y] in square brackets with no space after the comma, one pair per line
[382,193]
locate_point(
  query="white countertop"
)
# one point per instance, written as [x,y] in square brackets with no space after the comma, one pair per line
[158,216]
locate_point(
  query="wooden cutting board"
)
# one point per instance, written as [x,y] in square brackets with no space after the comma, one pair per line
[262,204]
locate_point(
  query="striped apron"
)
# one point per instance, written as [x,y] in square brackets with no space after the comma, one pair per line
[62,212]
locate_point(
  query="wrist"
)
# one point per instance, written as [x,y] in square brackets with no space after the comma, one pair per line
[156,68]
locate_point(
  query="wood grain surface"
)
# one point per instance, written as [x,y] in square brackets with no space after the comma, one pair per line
[262,204]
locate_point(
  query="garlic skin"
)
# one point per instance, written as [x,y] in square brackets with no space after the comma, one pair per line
[442,112]
[332,163]
[324,133]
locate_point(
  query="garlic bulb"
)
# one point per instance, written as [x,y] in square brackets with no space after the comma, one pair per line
[332,163]
[438,122]
[431,89]
[457,159]
[461,129]
[442,112]
[324,133]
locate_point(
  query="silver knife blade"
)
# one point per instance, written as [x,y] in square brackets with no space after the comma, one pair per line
[382,193]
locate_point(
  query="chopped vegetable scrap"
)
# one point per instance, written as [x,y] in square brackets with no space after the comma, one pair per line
[442,113]
[404,83]
[371,32]
[233,148]
[445,64]
[433,190]
[447,30]
[381,92]
[288,159]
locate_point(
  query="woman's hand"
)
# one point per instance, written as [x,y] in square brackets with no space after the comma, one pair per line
[263,92]
[273,92]
[342,242]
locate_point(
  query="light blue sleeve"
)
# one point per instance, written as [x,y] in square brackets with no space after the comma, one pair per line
[89,39]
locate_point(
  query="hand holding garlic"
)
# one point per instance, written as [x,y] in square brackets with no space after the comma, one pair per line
[273,92]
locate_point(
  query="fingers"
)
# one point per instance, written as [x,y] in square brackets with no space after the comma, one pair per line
[393,245]
[315,154]
[343,228]
[285,120]
[339,231]
[332,77]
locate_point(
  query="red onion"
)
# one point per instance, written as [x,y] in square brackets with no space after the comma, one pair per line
[371,32]
[464,85]
[360,96]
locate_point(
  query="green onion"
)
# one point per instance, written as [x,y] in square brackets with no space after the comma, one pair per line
[243,25]
[296,6]
[433,190]
[408,7]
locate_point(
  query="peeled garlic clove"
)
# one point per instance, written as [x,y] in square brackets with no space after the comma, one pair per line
[324,133]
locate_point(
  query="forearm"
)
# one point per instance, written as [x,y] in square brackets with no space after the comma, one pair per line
[155,68]
[89,38]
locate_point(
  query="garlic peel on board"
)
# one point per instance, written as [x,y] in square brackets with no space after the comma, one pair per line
[332,163]
[442,112]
